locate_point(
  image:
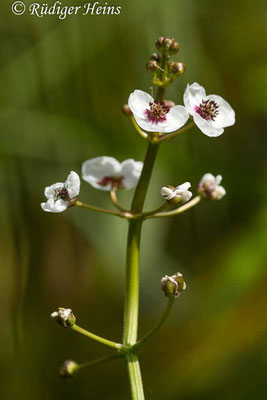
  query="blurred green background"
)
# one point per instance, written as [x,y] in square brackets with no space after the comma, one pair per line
[62,87]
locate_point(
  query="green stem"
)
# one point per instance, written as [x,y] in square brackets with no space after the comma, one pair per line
[170,136]
[177,211]
[99,339]
[135,377]
[142,186]
[102,210]
[131,305]
[99,361]
[157,327]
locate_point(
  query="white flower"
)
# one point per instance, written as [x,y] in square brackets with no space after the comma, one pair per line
[154,116]
[177,195]
[209,187]
[211,113]
[61,195]
[64,317]
[106,173]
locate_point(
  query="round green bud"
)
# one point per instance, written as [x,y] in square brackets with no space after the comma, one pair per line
[173,285]
[177,68]
[167,45]
[152,66]
[68,369]
[156,57]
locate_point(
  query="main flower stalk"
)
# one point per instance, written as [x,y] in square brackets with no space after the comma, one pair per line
[131,305]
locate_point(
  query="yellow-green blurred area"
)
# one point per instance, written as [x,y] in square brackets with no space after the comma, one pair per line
[62,87]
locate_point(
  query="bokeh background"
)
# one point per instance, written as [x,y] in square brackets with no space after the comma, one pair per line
[62,87]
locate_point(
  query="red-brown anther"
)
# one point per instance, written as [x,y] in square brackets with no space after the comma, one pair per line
[157,112]
[208,110]
[62,193]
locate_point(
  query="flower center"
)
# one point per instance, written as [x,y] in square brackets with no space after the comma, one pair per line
[157,112]
[62,193]
[208,109]
[114,181]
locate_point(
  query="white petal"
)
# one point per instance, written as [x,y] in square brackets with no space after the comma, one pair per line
[57,206]
[97,168]
[184,186]
[72,184]
[50,190]
[146,125]
[186,196]
[193,96]
[208,178]
[226,115]
[167,193]
[139,102]
[207,127]
[175,119]
[131,171]
[218,180]
[218,193]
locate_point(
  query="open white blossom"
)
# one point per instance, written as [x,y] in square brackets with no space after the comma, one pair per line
[61,195]
[211,113]
[178,195]
[154,116]
[209,187]
[106,173]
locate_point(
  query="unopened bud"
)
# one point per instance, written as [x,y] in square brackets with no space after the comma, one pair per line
[209,187]
[126,110]
[177,68]
[64,317]
[173,285]
[156,57]
[68,369]
[152,65]
[168,103]
[167,45]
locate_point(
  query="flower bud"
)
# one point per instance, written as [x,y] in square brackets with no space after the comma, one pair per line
[126,110]
[152,65]
[68,369]
[176,196]
[64,317]
[168,103]
[173,285]
[209,187]
[156,57]
[167,45]
[177,68]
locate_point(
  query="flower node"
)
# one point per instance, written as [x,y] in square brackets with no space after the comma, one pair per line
[157,112]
